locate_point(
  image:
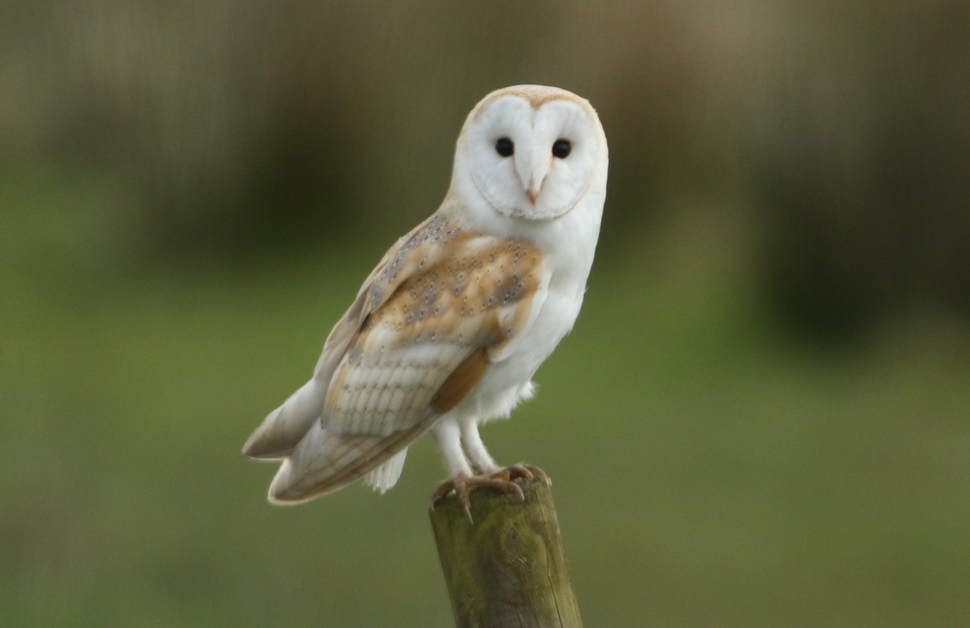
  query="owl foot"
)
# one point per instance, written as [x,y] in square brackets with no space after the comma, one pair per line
[502,480]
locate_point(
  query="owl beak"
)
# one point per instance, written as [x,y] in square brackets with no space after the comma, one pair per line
[535,185]
[532,172]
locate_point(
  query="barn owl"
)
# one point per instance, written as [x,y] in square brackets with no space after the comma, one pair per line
[449,329]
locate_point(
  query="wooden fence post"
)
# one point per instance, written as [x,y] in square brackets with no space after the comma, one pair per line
[507,568]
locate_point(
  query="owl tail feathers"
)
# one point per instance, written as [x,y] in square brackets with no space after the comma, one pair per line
[285,426]
[324,462]
[291,487]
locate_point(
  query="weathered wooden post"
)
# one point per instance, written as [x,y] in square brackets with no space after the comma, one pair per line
[506,568]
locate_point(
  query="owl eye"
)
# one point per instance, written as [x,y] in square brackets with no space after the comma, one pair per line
[504,147]
[561,149]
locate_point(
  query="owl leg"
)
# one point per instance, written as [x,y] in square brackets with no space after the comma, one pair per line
[471,443]
[447,435]
[484,465]
[487,475]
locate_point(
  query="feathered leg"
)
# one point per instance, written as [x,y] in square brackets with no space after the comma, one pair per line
[459,446]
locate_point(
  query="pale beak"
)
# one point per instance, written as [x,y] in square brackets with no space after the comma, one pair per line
[534,187]
[532,172]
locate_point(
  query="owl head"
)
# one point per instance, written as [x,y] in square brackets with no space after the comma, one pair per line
[531,152]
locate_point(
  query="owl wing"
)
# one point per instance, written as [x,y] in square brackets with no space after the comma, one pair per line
[420,335]
[283,428]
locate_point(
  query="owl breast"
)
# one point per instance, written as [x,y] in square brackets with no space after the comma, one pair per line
[508,379]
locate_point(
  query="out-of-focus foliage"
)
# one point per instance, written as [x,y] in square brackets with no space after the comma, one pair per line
[232,125]
[837,133]
[190,193]
[861,174]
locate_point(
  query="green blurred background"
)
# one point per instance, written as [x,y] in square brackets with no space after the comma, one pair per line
[761,417]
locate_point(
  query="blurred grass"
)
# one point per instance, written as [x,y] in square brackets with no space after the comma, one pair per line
[707,470]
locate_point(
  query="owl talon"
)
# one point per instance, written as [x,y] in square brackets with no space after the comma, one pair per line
[459,485]
[523,471]
[502,480]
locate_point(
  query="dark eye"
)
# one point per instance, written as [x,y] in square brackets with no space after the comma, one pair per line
[504,147]
[561,149]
